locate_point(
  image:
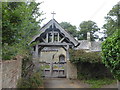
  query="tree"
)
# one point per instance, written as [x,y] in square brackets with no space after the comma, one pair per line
[19,24]
[111,54]
[69,28]
[19,21]
[88,26]
[112,20]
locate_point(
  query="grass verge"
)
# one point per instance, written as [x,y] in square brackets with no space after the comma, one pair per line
[98,83]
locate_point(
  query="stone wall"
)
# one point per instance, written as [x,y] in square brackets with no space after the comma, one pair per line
[48,55]
[11,72]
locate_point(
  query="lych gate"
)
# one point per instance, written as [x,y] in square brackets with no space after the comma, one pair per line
[51,51]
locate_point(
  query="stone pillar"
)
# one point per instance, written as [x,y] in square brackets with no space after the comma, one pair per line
[118,84]
[71,70]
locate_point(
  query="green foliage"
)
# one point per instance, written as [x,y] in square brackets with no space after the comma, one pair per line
[112,20]
[77,56]
[27,66]
[30,78]
[88,70]
[88,26]
[98,83]
[20,23]
[8,52]
[69,28]
[111,53]
[34,81]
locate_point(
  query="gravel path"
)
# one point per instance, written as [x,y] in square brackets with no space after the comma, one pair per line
[63,83]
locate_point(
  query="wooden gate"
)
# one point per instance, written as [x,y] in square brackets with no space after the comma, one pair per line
[56,69]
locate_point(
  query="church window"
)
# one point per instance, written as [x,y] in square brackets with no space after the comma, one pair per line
[61,58]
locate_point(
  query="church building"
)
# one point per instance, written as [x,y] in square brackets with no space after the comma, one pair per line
[51,50]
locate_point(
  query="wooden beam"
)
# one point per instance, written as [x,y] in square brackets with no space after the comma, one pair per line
[47,37]
[44,40]
[67,52]
[54,44]
[52,36]
[62,39]
[58,37]
[36,51]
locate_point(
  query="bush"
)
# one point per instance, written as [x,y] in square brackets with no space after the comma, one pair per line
[34,81]
[88,70]
[30,78]
[8,52]
[78,56]
[89,64]
[111,54]
[11,51]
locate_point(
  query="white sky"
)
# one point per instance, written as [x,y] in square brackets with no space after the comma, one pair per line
[76,11]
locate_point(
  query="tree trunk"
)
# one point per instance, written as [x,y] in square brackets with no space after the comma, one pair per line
[118,84]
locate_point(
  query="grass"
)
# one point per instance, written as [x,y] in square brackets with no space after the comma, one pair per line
[98,83]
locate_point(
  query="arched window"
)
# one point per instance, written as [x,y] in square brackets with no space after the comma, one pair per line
[61,58]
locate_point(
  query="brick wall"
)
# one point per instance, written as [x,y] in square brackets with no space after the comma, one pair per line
[11,72]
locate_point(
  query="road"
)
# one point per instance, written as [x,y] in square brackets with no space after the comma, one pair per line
[63,83]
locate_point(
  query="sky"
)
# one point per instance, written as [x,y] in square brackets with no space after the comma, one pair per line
[76,11]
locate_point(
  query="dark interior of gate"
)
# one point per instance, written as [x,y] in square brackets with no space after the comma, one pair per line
[52,49]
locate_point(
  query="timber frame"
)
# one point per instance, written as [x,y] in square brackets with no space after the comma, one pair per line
[53,29]
[53,35]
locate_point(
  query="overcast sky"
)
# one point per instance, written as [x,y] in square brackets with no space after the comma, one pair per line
[76,11]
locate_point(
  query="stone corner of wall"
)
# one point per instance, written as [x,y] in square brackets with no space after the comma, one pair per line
[11,72]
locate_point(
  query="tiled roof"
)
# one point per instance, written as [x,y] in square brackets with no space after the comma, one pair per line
[92,46]
[95,46]
[84,44]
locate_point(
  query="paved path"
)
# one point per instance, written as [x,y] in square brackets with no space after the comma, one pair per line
[63,83]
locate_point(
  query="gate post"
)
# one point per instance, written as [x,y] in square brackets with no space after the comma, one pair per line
[71,68]
[36,59]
